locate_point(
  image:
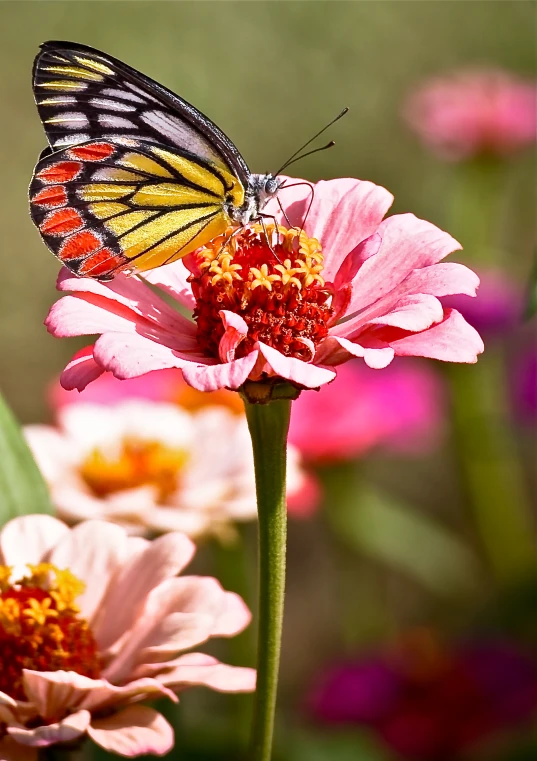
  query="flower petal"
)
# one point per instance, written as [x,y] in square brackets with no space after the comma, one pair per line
[134,731]
[234,617]
[235,330]
[204,670]
[335,350]
[343,213]
[163,558]
[64,731]
[452,340]
[172,279]
[128,355]
[303,373]
[81,370]
[92,551]
[414,313]
[408,243]
[30,538]
[213,377]
[295,196]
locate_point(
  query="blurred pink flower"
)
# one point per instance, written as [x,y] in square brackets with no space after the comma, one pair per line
[117,645]
[472,112]
[497,308]
[524,379]
[155,466]
[429,703]
[260,316]
[400,409]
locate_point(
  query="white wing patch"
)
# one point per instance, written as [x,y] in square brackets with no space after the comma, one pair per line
[111,105]
[180,133]
[76,118]
[115,122]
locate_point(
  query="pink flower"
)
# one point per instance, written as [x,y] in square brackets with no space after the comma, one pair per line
[400,409]
[110,617]
[473,112]
[362,287]
[155,466]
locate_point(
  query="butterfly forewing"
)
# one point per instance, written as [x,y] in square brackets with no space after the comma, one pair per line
[83,94]
[103,207]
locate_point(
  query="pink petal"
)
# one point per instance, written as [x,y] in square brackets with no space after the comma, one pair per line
[64,731]
[443,279]
[127,296]
[73,316]
[13,751]
[56,692]
[213,377]
[408,243]
[335,350]
[163,558]
[353,261]
[93,550]
[80,371]
[452,340]
[134,731]
[234,617]
[204,670]
[416,312]
[235,330]
[30,538]
[303,373]
[128,355]
[343,213]
[172,279]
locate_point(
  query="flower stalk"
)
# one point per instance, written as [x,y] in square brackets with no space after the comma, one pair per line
[268,425]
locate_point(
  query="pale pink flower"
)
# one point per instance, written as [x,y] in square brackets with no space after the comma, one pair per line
[155,466]
[111,617]
[372,293]
[470,112]
[401,410]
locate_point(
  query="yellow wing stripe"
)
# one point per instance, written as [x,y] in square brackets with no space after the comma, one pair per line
[73,71]
[124,223]
[192,172]
[106,210]
[170,194]
[95,65]
[63,84]
[144,164]
[104,192]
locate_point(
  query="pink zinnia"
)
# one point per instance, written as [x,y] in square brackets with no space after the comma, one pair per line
[350,285]
[93,622]
[471,112]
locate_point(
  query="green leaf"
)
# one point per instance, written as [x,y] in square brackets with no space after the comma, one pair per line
[384,527]
[22,488]
[531,302]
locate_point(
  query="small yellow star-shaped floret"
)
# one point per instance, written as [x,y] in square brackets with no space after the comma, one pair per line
[310,269]
[262,277]
[68,587]
[39,611]
[288,274]
[224,270]
[5,575]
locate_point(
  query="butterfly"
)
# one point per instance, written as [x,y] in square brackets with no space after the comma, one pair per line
[135,177]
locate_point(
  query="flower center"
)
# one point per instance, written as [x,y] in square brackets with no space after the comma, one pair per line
[278,290]
[40,627]
[138,463]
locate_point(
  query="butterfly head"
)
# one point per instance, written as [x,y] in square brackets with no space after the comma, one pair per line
[261,188]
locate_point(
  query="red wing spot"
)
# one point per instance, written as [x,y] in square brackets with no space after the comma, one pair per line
[63,171]
[61,222]
[51,197]
[79,245]
[92,152]
[101,263]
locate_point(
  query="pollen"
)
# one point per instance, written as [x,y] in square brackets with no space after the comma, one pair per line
[270,276]
[40,627]
[137,463]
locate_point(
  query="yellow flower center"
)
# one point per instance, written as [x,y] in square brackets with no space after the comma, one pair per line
[138,463]
[40,627]
[277,289]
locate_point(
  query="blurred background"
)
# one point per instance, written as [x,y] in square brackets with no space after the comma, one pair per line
[412,591]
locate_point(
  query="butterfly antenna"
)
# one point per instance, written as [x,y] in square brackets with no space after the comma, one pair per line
[296,153]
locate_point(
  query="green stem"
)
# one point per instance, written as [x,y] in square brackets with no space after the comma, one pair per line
[491,466]
[268,424]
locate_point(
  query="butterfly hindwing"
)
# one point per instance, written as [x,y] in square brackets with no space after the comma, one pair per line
[83,94]
[103,207]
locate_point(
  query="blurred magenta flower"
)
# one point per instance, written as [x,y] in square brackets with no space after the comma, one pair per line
[351,285]
[429,703]
[153,466]
[92,622]
[524,375]
[469,112]
[400,409]
[498,306]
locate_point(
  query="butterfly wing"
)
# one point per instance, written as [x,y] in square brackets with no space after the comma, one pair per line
[104,207]
[83,94]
